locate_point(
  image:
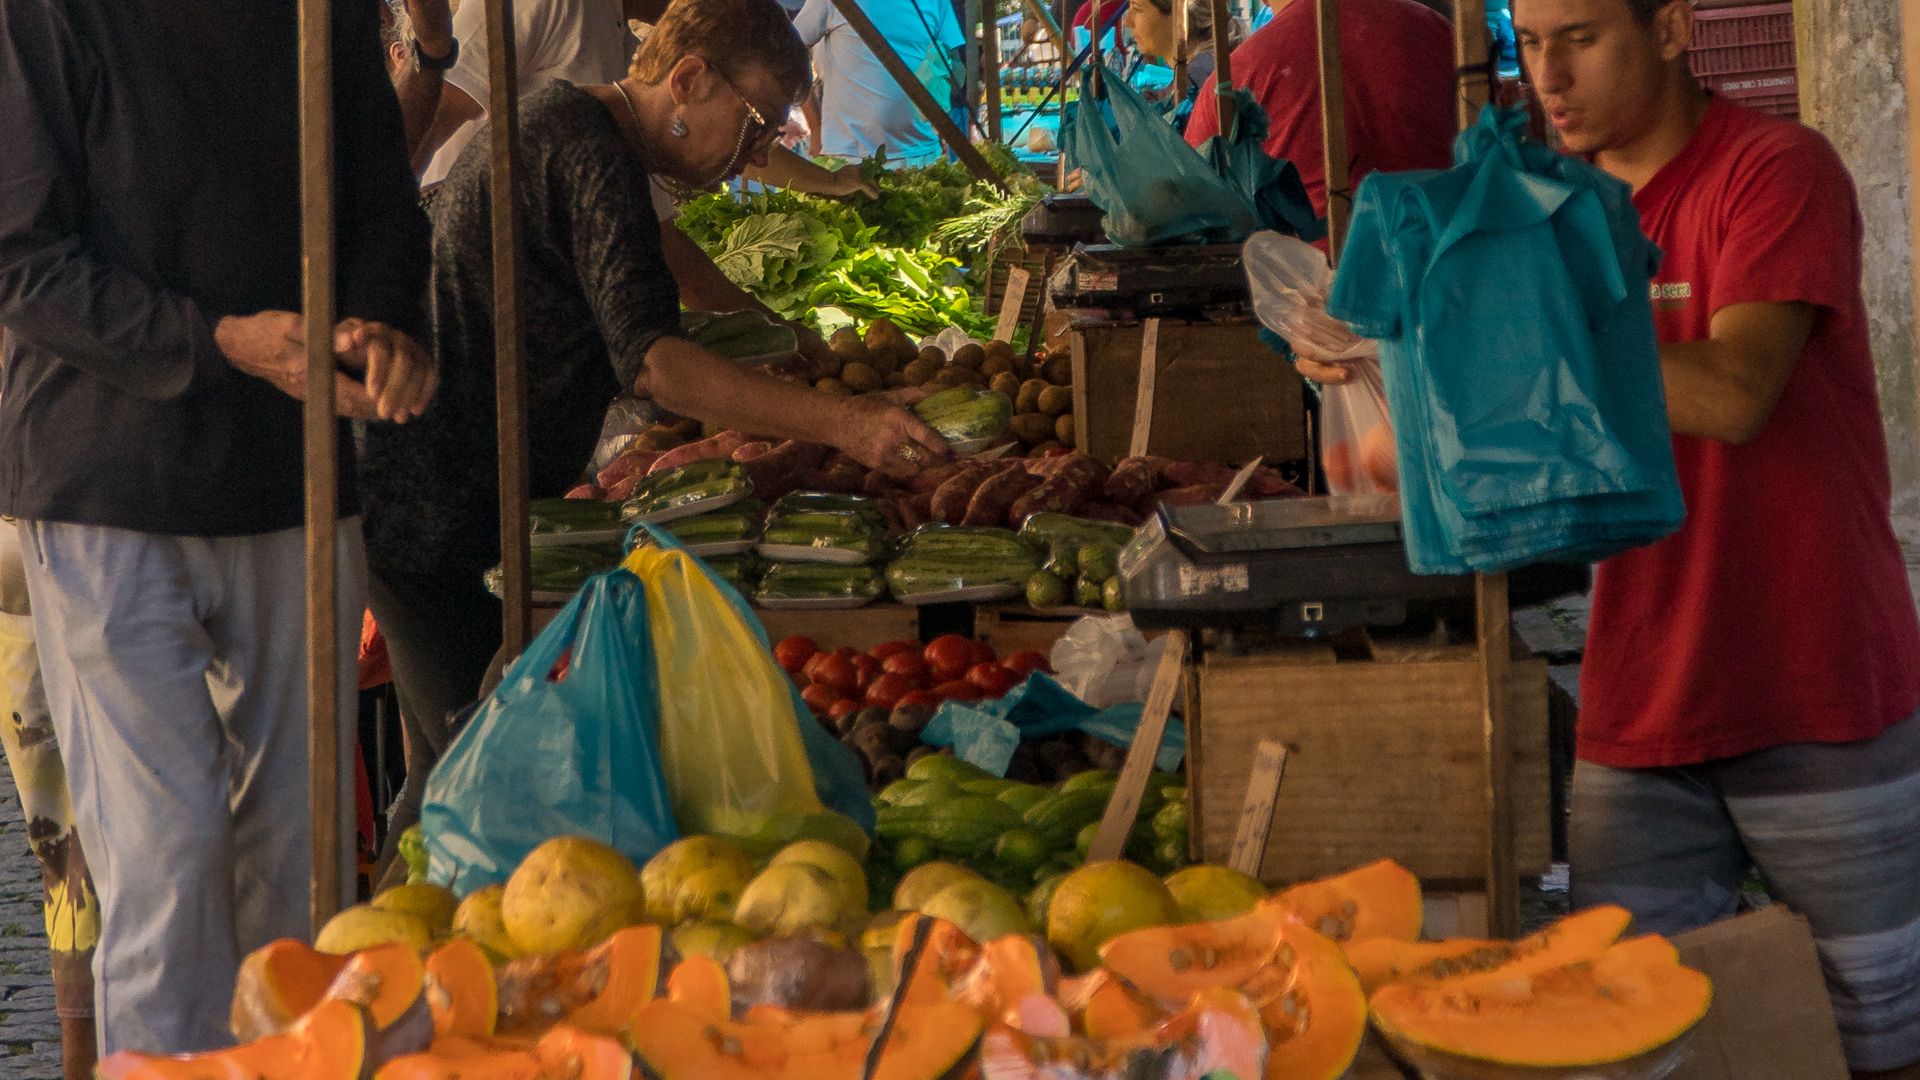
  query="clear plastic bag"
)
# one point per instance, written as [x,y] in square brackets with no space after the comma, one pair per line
[1104,660]
[1356,439]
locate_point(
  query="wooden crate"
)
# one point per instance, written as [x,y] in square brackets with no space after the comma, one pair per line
[1219,394]
[1386,761]
[862,628]
[1015,628]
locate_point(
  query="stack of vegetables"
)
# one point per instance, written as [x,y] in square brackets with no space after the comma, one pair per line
[821,549]
[708,965]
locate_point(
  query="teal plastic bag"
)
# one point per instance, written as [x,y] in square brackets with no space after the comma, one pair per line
[545,757]
[1155,189]
[986,733]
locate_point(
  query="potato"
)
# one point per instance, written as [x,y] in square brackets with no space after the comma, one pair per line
[846,344]
[833,386]
[1055,400]
[1063,429]
[969,376]
[999,348]
[920,372]
[1059,369]
[828,366]
[880,331]
[894,380]
[998,365]
[1043,448]
[932,353]
[1033,428]
[1006,384]
[1028,399]
[969,355]
[860,378]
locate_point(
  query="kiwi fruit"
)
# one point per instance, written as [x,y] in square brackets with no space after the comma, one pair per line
[1059,369]
[970,355]
[996,366]
[1055,400]
[1005,383]
[920,372]
[860,378]
[846,343]
[1033,428]
[1063,429]
[996,347]
[932,353]
[1028,398]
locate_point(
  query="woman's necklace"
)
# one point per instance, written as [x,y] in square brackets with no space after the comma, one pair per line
[680,191]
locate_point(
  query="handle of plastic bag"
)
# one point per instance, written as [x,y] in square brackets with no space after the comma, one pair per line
[547,648]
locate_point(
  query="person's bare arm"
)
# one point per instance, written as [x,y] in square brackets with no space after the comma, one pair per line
[786,169]
[687,379]
[1727,386]
[703,287]
[419,87]
[455,108]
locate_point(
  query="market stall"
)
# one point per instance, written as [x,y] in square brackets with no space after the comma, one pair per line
[1050,886]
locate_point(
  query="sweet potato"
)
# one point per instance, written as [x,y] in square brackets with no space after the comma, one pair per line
[1067,483]
[996,495]
[928,481]
[757,448]
[950,502]
[1132,481]
[781,469]
[1106,511]
[587,491]
[915,511]
[1267,483]
[720,446]
[631,462]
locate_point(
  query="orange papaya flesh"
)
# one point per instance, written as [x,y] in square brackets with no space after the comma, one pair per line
[1172,963]
[675,1043]
[1219,1031]
[461,990]
[700,983]
[1009,970]
[277,984]
[947,958]
[329,1042]
[597,989]
[1580,936]
[1378,900]
[1313,1007]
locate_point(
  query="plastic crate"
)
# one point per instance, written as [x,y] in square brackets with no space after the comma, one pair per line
[1746,54]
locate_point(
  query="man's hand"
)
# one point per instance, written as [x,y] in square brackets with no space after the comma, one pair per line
[1322,373]
[271,345]
[884,436]
[432,25]
[401,377]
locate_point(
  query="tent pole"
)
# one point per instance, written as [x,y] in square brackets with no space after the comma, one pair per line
[1333,127]
[509,364]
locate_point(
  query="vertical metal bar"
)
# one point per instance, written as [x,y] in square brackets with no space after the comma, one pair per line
[990,68]
[1496,681]
[971,51]
[1223,64]
[509,363]
[1333,126]
[1096,63]
[321,435]
[1179,51]
[1472,45]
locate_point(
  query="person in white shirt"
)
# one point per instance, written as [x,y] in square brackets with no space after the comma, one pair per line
[862,108]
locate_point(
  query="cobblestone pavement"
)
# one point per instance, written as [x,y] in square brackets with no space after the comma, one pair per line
[29,1030]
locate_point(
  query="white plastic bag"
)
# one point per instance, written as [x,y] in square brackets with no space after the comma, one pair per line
[1105,661]
[1289,280]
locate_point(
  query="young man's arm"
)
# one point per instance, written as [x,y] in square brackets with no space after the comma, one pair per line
[460,89]
[1726,387]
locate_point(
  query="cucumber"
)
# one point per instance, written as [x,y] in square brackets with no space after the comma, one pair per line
[819,581]
[551,516]
[964,413]
[1052,532]
[812,502]
[715,528]
[965,541]
[1061,816]
[915,576]
[969,826]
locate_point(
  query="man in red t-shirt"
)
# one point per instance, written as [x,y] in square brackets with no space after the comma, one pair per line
[1397,56]
[1750,683]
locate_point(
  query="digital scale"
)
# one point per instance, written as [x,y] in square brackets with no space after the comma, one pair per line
[1303,567]
[1190,281]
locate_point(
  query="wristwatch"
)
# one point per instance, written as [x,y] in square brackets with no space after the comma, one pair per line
[435,63]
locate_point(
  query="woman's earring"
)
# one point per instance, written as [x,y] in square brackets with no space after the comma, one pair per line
[679,128]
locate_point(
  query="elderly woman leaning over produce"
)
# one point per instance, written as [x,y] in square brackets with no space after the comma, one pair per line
[707,95]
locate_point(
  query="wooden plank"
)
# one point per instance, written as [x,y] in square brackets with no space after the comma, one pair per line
[990,70]
[1333,127]
[509,362]
[934,111]
[1180,57]
[1472,46]
[1385,760]
[1223,65]
[1077,356]
[1219,394]
[971,50]
[1117,822]
[1039,13]
[332,872]
[1495,668]
[1256,812]
[1143,388]
[1012,302]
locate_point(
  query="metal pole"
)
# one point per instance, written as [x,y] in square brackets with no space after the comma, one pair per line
[935,112]
[971,52]
[1472,45]
[1179,51]
[1223,65]
[990,69]
[510,371]
[320,431]
[1333,127]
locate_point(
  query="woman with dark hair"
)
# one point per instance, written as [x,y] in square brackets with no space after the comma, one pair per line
[1152,24]
[707,96]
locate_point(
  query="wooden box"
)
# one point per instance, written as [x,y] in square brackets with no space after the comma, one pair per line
[1385,760]
[1219,394]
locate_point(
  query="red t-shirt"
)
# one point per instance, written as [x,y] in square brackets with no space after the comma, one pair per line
[1397,56]
[1780,612]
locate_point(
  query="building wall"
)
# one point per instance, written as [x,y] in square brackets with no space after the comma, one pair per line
[1852,88]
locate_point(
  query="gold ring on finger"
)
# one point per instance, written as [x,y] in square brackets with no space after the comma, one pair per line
[908,453]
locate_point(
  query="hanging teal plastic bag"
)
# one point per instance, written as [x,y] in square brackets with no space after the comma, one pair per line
[542,757]
[1155,189]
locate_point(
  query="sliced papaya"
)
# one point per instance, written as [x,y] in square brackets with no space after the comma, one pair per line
[461,990]
[700,983]
[1580,936]
[597,989]
[1632,1000]
[1378,900]
[1313,1007]
[329,1042]
[1219,1031]
[1107,1008]
[277,984]
[1171,963]
[674,1042]
[389,981]
[457,1057]
[1010,969]
[948,956]
[571,1053]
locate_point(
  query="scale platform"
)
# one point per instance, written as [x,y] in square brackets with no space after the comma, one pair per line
[1178,281]
[1304,567]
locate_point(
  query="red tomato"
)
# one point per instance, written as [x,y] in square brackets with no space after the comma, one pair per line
[837,674]
[811,669]
[957,690]
[908,664]
[888,648]
[992,679]
[819,697]
[983,653]
[839,709]
[794,652]
[1021,663]
[847,651]
[887,690]
[916,697]
[949,657]
[865,670]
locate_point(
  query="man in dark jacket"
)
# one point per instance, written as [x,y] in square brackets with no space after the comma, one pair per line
[149,276]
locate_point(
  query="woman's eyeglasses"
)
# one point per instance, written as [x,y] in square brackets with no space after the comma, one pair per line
[760,131]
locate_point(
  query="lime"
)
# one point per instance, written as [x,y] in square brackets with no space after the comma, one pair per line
[1021,851]
[1045,590]
[1097,561]
[1083,843]
[1041,896]
[911,851]
[1112,597]
[1170,823]
[1087,592]
[1062,561]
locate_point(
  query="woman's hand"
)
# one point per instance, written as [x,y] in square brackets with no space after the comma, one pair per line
[883,436]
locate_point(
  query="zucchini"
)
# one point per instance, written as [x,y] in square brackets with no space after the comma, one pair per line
[818,581]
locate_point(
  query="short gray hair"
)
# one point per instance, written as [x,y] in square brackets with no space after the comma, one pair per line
[397,27]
